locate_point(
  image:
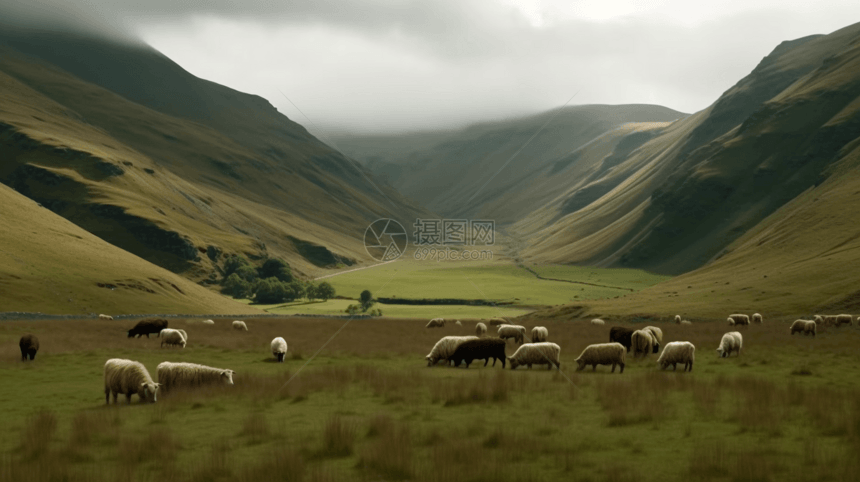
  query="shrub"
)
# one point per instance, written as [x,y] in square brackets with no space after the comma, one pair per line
[247,273]
[276,268]
[324,291]
[236,287]
[366,299]
[270,290]
[233,263]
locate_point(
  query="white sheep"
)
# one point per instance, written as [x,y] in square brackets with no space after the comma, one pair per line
[436,323]
[105,317]
[480,329]
[458,323]
[657,332]
[536,354]
[643,343]
[807,327]
[189,375]
[183,333]
[602,354]
[678,319]
[737,319]
[539,334]
[732,341]
[843,320]
[129,377]
[240,325]
[517,332]
[208,322]
[498,321]
[444,348]
[757,318]
[677,352]
[279,348]
[172,337]
[686,322]
[597,321]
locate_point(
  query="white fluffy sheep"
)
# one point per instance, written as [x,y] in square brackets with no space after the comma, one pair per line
[807,327]
[517,332]
[738,319]
[843,320]
[436,323]
[129,377]
[444,348]
[170,337]
[498,321]
[602,354]
[458,323]
[105,317]
[539,334]
[643,343]
[657,332]
[757,318]
[480,329]
[189,375]
[208,322]
[279,348]
[183,333]
[597,321]
[240,325]
[678,319]
[536,354]
[677,352]
[686,322]
[732,341]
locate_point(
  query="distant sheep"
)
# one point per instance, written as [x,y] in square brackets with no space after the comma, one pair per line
[643,343]
[240,325]
[498,321]
[191,375]
[480,329]
[602,354]
[739,320]
[444,348]
[619,334]
[686,322]
[458,323]
[598,321]
[436,323]
[129,378]
[678,319]
[539,334]
[677,352]
[536,354]
[29,345]
[147,327]
[843,320]
[517,332]
[172,338]
[756,318]
[657,332]
[279,348]
[807,327]
[208,322]
[731,342]
[105,317]
[480,349]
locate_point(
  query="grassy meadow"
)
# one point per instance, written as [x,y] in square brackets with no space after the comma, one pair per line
[338,307]
[367,408]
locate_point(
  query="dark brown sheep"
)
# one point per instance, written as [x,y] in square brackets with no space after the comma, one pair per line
[619,334]
[29,346]
[145,327]
[480,349]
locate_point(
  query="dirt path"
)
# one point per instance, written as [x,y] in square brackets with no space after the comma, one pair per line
[355,269]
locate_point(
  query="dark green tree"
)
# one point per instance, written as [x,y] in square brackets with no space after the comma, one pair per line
[270,290]
[247,273]
[236,287]
[324,291]
[366,299]
[276,268]
[233,263]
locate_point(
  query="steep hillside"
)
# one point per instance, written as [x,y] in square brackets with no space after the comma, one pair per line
[49,265]
[175,169]
[486,170]
[688,193]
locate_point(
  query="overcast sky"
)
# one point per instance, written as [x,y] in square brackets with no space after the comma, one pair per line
[386,65]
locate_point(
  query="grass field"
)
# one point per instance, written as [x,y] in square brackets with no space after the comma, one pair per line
[366,408]
[338,307]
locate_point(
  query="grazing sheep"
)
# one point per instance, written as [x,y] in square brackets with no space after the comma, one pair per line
[643,342]
[677,352]
[678,319]
[147,327]
[240,325]
[686,322]
[436,323]
[807,327]
[539,334]
[739,320]
[536,354]
[191,375]
[184,335]
[657,332]
[444,348]
[129,377]
[279,348]
[619,334]
[517,332]
[843,320]
[498,321]
[756,318]
[29,345]
[208,322]
[105,317]
[602,354]
[480,329]
[458,323]
[172,337]
[598,321]
[732,341]
[480,349]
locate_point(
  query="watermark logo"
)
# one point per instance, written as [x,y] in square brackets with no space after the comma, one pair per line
[385,239]
[454,232]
